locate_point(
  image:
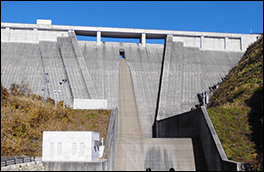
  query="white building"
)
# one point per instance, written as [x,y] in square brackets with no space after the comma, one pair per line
[71,146]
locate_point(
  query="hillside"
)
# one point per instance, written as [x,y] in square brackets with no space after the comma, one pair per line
[236,109]
[23,120]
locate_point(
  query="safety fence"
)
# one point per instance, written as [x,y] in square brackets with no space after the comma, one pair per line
[16,160]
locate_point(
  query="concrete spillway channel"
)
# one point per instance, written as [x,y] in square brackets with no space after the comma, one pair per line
[136,153]
[129,126]
[128,122]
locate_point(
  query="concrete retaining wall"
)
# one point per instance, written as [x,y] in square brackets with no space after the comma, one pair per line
[109,151]
[31,166]
[208,151]
[100,165]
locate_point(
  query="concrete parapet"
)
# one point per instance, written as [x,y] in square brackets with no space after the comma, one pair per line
[204,40]
[221,42]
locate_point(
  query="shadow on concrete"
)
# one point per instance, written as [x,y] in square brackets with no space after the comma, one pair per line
[172,131]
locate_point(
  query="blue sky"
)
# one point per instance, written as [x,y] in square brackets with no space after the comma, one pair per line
[204,16]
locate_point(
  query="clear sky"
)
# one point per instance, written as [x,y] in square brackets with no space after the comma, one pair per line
[204,16]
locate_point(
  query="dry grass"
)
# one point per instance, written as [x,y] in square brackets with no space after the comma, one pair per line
[236,109]
[23,120]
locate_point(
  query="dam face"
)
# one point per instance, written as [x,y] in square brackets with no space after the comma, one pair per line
[155,87]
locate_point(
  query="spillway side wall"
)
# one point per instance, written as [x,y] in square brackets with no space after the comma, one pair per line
[109,151]
[197,125]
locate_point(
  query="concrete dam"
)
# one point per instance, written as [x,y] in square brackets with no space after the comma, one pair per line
[158,119]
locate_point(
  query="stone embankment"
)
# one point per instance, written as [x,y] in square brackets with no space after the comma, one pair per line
[30,166]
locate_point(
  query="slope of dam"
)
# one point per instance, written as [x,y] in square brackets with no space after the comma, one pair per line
[53,65]
[188,71]
[21,63]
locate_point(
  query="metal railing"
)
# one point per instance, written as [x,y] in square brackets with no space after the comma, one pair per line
[16,160]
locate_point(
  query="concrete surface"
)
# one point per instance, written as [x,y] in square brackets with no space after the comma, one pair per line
[158,154]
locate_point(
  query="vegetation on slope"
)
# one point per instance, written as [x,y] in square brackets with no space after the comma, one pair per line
[23,120]
[236,109]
